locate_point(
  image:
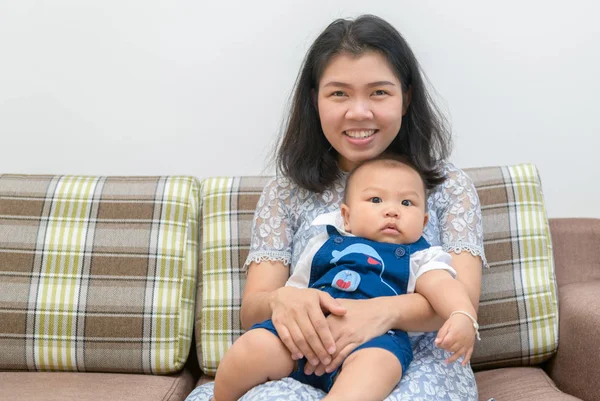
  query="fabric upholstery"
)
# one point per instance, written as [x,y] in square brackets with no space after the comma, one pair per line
[76,386]
[226,222]
[518,384]
[575,366]
[518,309]
[575,244]
[97,273]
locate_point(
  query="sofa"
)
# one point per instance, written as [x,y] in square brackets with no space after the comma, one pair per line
[128,288]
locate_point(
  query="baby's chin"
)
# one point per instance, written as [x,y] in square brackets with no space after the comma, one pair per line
[390,239]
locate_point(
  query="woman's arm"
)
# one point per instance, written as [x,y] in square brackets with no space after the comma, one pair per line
[297,313]
[262,280]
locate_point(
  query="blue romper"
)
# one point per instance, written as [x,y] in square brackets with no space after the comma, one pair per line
[358,268]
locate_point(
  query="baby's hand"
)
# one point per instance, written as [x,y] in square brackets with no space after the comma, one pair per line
[457,335]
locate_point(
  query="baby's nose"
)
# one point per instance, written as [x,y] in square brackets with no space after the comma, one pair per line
[391,212]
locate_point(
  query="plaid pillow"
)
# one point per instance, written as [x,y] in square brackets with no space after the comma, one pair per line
[226,224]
[518,310]
[97,273]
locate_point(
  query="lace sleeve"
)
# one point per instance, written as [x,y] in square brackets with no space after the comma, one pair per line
[459,214]
[271,238]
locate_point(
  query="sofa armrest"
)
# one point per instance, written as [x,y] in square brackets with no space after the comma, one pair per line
[575,244]
[576,367]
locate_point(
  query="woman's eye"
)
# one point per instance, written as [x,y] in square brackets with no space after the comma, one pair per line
[380,92]
[338,93]
[406,202]
[376,199]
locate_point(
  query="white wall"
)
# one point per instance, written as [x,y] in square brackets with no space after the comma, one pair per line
[197,87]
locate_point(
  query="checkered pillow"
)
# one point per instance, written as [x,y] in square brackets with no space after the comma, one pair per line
[518,310]
[97,273]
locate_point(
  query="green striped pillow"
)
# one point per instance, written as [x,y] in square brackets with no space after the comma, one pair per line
[97,273]
[518,310]
[518,307]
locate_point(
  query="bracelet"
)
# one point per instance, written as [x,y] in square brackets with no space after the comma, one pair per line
[475,324]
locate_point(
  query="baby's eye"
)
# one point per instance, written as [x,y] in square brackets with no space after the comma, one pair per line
[406,202]
[376,199]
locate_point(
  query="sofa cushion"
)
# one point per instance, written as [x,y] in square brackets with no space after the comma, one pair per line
[97,273]
[518,310]
[518,384]
[76,386]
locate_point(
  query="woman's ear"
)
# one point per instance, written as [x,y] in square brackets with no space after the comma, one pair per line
[346,216]
[406,98]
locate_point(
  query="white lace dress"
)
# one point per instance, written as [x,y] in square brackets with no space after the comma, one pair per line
[281,231]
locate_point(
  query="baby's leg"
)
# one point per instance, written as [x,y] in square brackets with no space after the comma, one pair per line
[255,358]
[367,374]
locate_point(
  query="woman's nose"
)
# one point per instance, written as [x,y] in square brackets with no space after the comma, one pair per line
[359,110]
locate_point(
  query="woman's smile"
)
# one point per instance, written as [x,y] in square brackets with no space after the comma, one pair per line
[360,97]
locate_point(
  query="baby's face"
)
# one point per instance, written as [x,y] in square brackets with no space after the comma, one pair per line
[386,204]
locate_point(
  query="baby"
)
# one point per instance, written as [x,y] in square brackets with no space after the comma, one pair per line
[373,248]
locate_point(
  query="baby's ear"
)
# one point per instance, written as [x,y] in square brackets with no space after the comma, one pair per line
[346,216]
[425,219]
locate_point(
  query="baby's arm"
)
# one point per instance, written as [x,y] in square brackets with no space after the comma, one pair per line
[447,295]
[255,358]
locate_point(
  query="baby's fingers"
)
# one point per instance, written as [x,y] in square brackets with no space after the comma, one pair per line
[460,351]
[467,356]
[441,336]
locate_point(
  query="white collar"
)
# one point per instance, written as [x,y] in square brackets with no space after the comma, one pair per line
[333,218]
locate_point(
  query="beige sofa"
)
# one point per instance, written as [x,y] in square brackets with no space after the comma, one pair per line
[572,372]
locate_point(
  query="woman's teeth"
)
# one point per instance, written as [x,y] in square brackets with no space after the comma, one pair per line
[360,134]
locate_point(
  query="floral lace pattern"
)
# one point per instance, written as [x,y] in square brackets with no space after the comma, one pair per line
[281,231]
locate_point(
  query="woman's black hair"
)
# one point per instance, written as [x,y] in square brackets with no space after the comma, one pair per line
[305,155]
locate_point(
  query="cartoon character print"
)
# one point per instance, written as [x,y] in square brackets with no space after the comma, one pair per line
[348,280]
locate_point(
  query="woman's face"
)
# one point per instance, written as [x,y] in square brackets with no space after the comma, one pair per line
[360,103]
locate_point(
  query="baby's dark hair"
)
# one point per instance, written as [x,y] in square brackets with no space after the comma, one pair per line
[389,160]
[304,154]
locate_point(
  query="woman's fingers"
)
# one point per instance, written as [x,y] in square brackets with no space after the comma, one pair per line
[341,357]
[286,338]
[301,343]
[302,326]
[330,304]
[326,343]
[309,341]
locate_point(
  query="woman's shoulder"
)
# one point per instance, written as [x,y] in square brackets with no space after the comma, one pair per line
[451,170]
[455,178]
[456,189]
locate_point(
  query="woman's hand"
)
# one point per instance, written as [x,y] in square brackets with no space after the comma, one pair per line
[298,317]
[363,321]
